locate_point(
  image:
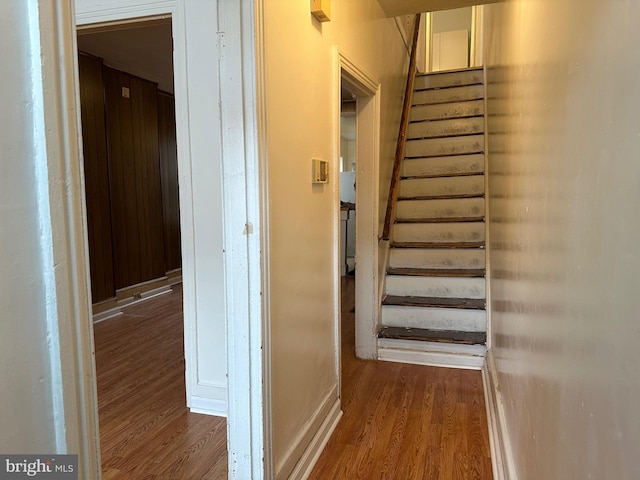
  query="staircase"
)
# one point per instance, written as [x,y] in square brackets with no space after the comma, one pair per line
[433,311]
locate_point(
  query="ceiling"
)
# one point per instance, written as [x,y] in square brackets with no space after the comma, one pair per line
[145,49]
[142,49]
[396,8]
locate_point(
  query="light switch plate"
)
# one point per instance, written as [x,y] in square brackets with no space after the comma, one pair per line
[319,171]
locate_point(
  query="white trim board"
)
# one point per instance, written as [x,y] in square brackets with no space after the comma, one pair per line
[107,314]
[310,456]
[208,406]
[501,456]
[242,106]
[410,352]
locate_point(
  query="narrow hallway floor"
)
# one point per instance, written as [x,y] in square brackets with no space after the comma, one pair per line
[404,422]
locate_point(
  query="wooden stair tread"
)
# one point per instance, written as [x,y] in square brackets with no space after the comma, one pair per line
[437,245]
[440,336]
[445,119]
[445,87]
[443,197]
[437,272]
[440,154]
[440,220]
[438,302]
[440,175]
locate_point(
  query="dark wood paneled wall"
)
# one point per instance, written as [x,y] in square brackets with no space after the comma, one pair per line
[136,197]
[131,178]
[169,176]
[96,177]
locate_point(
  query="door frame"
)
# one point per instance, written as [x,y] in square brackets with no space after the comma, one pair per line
[367,302]
[242,220]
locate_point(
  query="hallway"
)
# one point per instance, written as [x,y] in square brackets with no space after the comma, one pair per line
[404,421]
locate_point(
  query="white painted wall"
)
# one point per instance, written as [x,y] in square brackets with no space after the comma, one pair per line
[303,230]
[564,187]
[47,381]
[26,426]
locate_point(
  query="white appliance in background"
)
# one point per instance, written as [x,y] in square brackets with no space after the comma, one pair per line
[344,216]
[348,241]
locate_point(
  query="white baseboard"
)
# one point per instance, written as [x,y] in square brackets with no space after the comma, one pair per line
[310,456]
[174,276]
[412,352]
[142,296]
[305,449]
[501,457]
[208,406]
[107,314]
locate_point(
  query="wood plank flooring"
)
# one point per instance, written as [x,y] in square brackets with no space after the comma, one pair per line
[404,422]
[400,421]
[146,430]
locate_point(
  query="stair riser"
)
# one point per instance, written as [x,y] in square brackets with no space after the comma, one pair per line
[437,258]
[456,94]
[450,208]
[434,318]
[441,187]
[439,232]
[435,147]
[434,166]
[446,128]
[473,108]
[446,287]
[440,80]
[432,347]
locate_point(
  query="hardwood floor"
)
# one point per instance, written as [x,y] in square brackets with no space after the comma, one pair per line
[401,422]
[404,422]
[146,430]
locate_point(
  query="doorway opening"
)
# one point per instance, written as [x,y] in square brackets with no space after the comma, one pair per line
[348,159]
[361,127]
[128,118]
[453,39]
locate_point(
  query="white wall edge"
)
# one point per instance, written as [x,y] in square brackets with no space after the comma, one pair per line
[310,456]
[261,181]
[303,443]
[242,110]
[501,456]
[208,406]
[431,359]
[341,270]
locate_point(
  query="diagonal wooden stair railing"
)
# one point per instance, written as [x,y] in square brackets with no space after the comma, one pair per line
[404,121]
